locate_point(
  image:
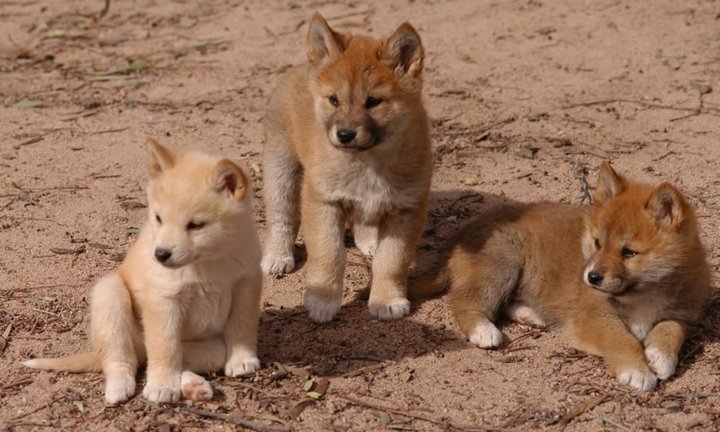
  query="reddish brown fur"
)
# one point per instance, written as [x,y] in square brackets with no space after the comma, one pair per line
[378,181]
[538,257]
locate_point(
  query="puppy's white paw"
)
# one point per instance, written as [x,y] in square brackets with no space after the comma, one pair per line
[242,364]
[163,391]
[662,363]
[119,388]
[391,310]
[638,379]
[486,335]
[277,264]
[366,239]
[195,387]
[322,309]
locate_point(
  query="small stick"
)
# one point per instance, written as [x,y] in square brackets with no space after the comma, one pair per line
[580,175]
[234,419]
[17,384]
[32,140]
[46,312]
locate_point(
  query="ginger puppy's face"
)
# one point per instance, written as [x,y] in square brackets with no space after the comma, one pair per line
[363,88]
[636,236]
[193,204]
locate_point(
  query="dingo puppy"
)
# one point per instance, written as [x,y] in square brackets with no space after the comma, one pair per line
[625,278]
[187,296]
[347,140]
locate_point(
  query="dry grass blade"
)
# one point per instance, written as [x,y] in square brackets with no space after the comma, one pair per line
[582,407]
[294,411]
[4,337]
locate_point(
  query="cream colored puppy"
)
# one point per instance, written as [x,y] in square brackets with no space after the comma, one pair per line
[187,297]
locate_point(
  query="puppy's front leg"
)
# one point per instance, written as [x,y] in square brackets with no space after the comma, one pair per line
[242,327]
[398,237]
[602,334]
[282,194]
[662,346]
[323,227]
[162,319]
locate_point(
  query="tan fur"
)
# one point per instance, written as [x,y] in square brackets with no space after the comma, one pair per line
[378,180]
[187,297]
[624,278]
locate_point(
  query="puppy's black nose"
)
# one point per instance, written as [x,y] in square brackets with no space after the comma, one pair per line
[162,255]
[345,136]
[595,278]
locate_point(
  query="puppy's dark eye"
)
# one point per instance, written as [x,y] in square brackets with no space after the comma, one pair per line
[195,225]
[372,102]
[628,253]
[597,244]
[334,101]
[157,218]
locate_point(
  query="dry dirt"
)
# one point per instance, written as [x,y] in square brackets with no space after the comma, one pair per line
[526,99]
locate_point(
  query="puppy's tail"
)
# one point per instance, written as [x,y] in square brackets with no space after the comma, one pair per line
[82,362]
[430,286]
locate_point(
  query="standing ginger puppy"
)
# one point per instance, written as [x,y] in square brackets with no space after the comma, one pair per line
[348,141]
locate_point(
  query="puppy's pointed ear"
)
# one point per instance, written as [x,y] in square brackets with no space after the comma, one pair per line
[667,206]
[322,42]
[403,52]
[609,184]
[230,178]
[162,157]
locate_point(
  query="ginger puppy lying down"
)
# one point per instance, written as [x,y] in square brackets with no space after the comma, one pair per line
[624,278]
[187,297]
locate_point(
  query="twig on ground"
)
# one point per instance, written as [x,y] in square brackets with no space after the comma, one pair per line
[4,338]
[29,141]
[580,175]
[237,420]
[46,312]
[671,152]
[105,9]
[701,104]
[106,131]
[582,407]
[17,384]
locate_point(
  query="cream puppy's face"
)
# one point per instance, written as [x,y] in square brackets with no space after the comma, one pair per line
[192,206]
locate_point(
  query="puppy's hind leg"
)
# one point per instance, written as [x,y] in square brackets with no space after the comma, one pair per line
[116,337]
[481,284]
[281,190]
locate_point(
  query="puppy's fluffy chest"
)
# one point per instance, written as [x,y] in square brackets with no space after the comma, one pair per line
[368,188]
[203,295]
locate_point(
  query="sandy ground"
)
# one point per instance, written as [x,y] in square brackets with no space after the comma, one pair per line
[526,99]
